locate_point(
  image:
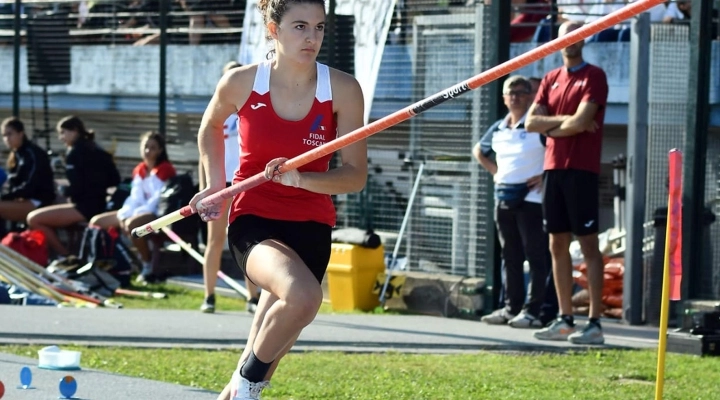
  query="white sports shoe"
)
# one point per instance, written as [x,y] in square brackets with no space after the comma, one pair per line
[497,317]
[558,330]
[243,389]
[590,334]
[525,320]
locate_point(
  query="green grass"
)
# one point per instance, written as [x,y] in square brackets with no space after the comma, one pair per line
[610,374]
[179,298]
[182,298]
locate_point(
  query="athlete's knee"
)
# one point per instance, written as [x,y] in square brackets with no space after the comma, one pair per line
[589,246]
[305,302]
[559,243]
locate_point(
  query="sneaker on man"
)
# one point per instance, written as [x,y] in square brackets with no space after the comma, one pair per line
[497,317]
[252,304]
[208,305]
[590,334]
[525,320]
[558,330]
[243,389]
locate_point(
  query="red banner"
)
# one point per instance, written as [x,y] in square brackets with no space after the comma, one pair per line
[675,223]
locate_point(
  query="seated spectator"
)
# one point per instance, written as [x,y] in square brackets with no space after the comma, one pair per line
[678,11]
[145,15]
[208,9]
[657,13]
[31,184]
[600,10]
[526,16]
[524,24]
[141,206]
[572,10]
[90,171]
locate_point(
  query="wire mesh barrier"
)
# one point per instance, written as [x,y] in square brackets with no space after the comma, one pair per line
[667,116]
[667,109]
[101,60]
[447,229]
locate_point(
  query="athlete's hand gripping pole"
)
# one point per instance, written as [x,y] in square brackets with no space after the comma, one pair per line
[473,83]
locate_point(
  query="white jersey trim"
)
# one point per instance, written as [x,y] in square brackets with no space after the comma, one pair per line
[323,89]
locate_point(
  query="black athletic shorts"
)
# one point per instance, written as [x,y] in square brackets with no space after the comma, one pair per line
[90,207]
[311,240]
[570,201]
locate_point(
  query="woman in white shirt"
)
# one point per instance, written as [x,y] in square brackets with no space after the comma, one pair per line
[141,207]
[517,171]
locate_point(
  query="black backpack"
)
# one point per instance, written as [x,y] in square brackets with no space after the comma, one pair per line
[176,194]
[104,249]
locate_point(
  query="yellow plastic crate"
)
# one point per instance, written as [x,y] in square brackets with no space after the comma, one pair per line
[351,273]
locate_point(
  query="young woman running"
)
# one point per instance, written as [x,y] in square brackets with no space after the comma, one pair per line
[280,231]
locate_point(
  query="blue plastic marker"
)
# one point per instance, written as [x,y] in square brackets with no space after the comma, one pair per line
[68,387]
[25,378]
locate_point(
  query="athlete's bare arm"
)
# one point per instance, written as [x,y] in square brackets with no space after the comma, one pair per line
[232,92]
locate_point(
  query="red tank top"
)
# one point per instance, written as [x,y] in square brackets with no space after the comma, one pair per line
[265,136]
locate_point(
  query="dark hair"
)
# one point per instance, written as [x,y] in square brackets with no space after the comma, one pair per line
[274,10]
[160,140]
[73,123]
[230,65]
[15,124]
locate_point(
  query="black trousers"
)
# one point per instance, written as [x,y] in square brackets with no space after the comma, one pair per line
[522,237]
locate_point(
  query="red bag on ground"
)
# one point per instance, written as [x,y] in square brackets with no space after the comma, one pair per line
[29,243]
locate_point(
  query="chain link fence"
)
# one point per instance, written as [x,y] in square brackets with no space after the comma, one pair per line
[448,224]
[113,51]
[667,116]
[100,60]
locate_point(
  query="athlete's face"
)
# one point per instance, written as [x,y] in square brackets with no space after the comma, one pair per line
[300,32]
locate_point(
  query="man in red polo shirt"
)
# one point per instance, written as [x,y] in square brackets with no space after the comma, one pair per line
[569,109]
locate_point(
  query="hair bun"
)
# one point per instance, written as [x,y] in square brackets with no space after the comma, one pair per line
[263,5]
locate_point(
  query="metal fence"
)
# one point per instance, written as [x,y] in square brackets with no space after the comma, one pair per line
[449,221]
[101,61]
[667,115]
[116,79]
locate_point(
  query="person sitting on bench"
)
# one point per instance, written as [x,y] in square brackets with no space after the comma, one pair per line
[30,181]
[141,206]
[90,171]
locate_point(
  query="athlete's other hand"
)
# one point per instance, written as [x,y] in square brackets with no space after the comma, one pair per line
[287,178]
[206,213]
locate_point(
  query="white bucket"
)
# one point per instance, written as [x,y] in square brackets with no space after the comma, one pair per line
[53,358]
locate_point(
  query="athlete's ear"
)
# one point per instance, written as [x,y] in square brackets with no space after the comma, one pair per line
[273,30]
